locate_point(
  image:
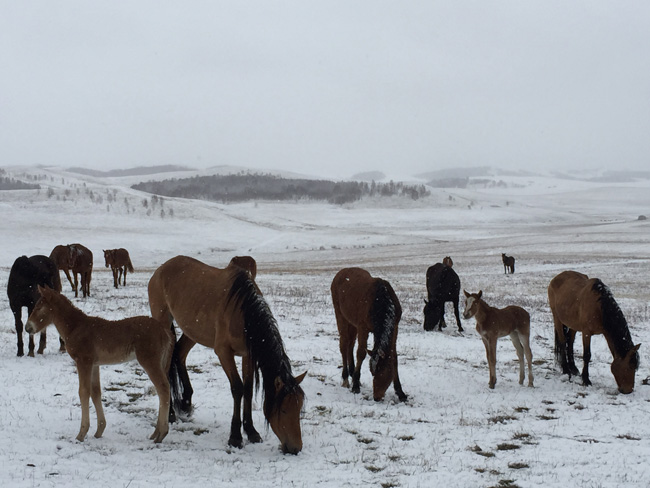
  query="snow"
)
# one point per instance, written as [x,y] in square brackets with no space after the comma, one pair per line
[453,431]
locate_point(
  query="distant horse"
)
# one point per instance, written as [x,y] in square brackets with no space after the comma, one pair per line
[364,305]
[447,261]
[25,275]
[581,304]
[119,261]
[79,260]
[493,323]
[443,285]
[508,263]
[223,309]
[93,341]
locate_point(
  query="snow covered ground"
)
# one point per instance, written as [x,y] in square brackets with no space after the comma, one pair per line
[453,431]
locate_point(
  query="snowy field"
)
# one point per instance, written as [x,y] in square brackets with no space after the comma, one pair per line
[453,431]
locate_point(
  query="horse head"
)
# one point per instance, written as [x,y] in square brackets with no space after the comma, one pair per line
[108,257]
[285,417]
[383,371]
[433,313]
[624,369]
[471,304]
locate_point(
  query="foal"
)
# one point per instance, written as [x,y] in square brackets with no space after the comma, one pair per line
[492,323]
[93,341]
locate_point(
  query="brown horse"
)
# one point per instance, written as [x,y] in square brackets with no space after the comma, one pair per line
[93,341]
[79,260]
[245,262]
[364,305]
[224,309]
[508,263]
[581,304]
[493,323]
[119,261]
[447,261]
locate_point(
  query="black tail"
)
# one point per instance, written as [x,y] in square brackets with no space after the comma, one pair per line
[559,358]
[175,383]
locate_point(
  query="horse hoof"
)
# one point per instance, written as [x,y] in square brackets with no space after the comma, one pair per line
[403,397]
[236,442]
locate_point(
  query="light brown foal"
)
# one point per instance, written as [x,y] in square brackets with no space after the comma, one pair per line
[92,341]
[492,323]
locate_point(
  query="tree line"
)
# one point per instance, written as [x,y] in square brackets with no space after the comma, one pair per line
[242,187]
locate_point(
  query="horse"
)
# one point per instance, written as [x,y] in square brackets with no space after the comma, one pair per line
[493,323]
[443,285]
[224,309]
[364,305]
[245,262]
[582,304]
[508,263]
[119,261]
[447,261]
[25,275]
[79,260]
[93,341]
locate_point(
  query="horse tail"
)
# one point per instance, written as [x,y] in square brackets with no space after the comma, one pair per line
[386,312]
[559,347]
[512,268]
[129,265]
[615,326]
[175,383]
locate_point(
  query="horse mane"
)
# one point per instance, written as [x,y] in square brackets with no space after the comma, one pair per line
[383,313]
[263,341]
[616,330]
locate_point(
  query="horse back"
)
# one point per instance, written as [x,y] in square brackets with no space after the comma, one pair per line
[26,273]
[353,294]
[575,303]
[442,283]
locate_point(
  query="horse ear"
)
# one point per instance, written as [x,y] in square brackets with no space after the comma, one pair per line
[466,294]
[425,302]
[279,384]
[634,349]
[480,293]
[300,378]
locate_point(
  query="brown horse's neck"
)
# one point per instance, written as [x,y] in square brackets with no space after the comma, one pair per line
[65,316]
[482,311]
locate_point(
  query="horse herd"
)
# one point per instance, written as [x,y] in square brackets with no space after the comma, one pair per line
[225,310]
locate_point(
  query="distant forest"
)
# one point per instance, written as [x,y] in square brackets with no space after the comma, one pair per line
[7,183]
[253,186]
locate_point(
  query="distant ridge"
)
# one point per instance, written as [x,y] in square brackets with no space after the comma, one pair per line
[138,171]
[369,176]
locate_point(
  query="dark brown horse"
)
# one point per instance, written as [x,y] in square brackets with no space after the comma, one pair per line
[443,285]
[493,323]
[93,341]
[22,289]
[119,261]
[364,305]
[447,261]
[582,304]
[508,263]
[223,309]
[79,260]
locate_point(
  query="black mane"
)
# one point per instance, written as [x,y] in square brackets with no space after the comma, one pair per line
[614,323]
[384,312]
[263,342]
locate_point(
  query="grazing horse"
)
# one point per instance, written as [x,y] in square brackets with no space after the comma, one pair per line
[224,309]
[582,304]
[25,276]
[79,260]
[443,285]
[119,261]
[364,305]
[508,263]
[447,261]
[93,341]
[492,323]
[245,262]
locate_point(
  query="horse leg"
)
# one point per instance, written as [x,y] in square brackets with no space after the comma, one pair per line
[156,371]
[362,348]
[525,341]
[67,275]
[491,354]
[84,371]
[397,384]
[182,348]
[457,314]
[237,390]
[124,276]
[115,278]
[514,337]
[347,338]
[248,372]
[586,357]
[96,395]
[18,314]
[75,286]
[560,345]
[570,340]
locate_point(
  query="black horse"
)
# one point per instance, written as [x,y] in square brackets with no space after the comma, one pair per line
[22,291]
[443,285]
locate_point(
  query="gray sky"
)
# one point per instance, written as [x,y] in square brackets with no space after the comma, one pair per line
[329,88]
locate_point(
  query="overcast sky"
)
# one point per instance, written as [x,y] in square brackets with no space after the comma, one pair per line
[330,88]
